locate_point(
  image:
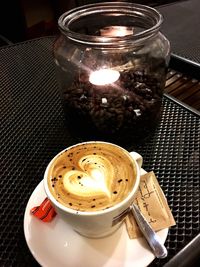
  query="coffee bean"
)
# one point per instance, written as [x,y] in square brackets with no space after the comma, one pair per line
[112,109]
[79,91]
[83,98]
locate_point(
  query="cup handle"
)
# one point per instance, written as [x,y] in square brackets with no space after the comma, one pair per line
[137,157]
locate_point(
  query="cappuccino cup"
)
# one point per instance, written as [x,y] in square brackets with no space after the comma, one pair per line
[92,185]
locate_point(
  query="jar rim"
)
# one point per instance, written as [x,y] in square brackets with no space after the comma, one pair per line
[69,17]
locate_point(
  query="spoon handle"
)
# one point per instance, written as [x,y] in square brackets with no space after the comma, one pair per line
[152,238]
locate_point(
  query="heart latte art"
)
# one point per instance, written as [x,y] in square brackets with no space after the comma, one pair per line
[92,176]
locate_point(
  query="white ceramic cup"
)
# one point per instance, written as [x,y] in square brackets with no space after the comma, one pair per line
[95,224]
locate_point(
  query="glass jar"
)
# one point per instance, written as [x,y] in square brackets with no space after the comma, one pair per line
[111,61]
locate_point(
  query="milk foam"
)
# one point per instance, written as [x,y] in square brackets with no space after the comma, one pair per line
[90,184]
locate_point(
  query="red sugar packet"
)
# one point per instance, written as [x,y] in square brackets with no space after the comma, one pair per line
[44,211]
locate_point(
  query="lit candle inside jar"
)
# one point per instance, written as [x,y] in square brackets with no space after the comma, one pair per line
[104,76]
[116,31]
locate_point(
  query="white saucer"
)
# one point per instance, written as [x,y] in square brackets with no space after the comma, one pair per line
[56,244]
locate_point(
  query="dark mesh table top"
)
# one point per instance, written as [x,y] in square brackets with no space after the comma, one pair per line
[181,27]
[33,131]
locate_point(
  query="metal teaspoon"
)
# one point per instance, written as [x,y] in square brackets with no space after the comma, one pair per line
[152,238]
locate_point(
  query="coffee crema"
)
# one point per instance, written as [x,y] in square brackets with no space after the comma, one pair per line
[91,176]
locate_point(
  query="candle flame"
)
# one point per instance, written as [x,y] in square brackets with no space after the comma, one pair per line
[116,31]
[104,76]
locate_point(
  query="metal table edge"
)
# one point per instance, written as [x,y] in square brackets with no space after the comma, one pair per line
[183,105]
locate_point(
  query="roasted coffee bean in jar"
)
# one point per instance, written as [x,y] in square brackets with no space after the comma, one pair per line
[111,60]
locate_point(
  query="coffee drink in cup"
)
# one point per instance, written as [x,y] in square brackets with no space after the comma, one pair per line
[92,185]
[91,176]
